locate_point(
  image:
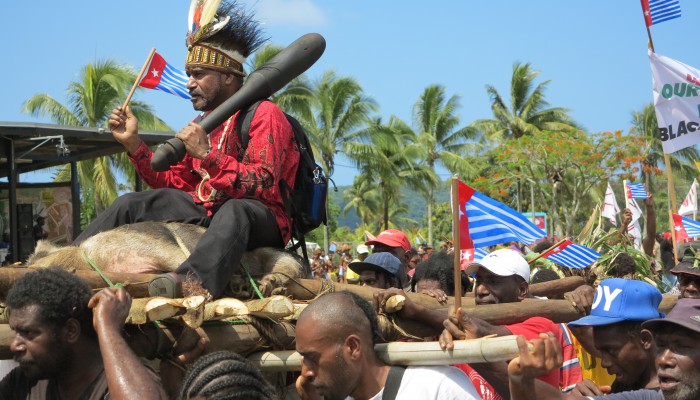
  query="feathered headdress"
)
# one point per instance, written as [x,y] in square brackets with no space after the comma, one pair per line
[221,35]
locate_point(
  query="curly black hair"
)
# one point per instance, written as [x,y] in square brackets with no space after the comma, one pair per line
[622,265]
[439,267]
[224,375]
[59,296]
[544,275]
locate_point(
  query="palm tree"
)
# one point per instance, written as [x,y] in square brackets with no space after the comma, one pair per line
[364,198]
[388,159]
[527,113]
[441,141]
[100,87]
[339,109]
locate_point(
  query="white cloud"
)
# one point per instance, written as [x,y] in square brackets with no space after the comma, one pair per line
[290,12]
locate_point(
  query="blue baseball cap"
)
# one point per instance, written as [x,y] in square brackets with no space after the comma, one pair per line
[379,262]
[617,300]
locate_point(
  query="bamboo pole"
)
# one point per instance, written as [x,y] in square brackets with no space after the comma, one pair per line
[471,351]
[455,244]
[138,78]
[135,284]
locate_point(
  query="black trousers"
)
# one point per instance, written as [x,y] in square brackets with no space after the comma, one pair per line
[236,226]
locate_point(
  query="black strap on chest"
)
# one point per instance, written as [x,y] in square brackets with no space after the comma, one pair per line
[393,381]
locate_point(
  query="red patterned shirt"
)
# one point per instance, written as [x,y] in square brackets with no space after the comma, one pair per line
[272,154]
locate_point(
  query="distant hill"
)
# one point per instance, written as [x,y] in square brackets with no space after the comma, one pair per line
[415,204]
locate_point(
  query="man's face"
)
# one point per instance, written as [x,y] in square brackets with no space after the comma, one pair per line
[37,347]
[495,289]
[415,259]
[207,87]
[323,362]
[678,363]
[622,354]
[689,286]
[373,279]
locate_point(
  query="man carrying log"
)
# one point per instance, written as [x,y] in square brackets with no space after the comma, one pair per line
[65,349]
[335,336]
[502,277]
[232,189]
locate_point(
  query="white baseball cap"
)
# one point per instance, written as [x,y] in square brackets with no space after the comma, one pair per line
[362,249]
[503,262]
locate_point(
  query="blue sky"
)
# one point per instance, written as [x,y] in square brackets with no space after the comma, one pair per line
[594,52]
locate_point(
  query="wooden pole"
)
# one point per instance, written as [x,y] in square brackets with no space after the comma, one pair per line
[135,284]
[546,251]
[674,205]
[455,244]
[138,78]
[308,289]
[651,42]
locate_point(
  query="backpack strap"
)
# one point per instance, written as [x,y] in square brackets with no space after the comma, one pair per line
[393,382]
[243,121]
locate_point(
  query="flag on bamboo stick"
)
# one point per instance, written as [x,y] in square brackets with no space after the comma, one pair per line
[656,11]
[572,255]
[638,190]
[610,207]
[162,76]
[676,102]
[690,204]
[686,228]
[485,222]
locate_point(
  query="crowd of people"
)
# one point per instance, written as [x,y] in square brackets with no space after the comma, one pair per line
[70,343]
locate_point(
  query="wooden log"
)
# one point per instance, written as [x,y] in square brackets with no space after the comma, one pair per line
[224,308]
[556,287]
[135,284]
[408,353]
[275,307]
[307,289]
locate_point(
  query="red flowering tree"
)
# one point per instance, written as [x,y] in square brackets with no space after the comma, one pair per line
[567,171]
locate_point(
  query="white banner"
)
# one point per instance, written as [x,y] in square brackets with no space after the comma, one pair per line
[676,102]
[610,207]
[689,205]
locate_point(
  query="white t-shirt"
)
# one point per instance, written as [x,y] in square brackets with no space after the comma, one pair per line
[433,383]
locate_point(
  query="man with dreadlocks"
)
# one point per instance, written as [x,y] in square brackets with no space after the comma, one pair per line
[220,185]
[225,375]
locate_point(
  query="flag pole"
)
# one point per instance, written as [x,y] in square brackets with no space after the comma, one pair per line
[674,205]
[651,42]
[532,260]
[455,244]
[138,78]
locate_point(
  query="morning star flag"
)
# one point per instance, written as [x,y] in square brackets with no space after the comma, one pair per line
[610,207]
[685,228]
[656,11]
[162,76]
[690,204]
[572,255]
[676,102]
[485,222]
[469,256]
[638,190]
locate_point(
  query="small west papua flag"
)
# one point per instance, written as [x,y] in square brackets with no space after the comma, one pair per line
[638,190]
[572,255]
[686,228]
[656,11]
[162,76]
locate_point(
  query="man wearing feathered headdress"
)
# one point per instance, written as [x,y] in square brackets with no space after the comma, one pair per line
[234,191]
